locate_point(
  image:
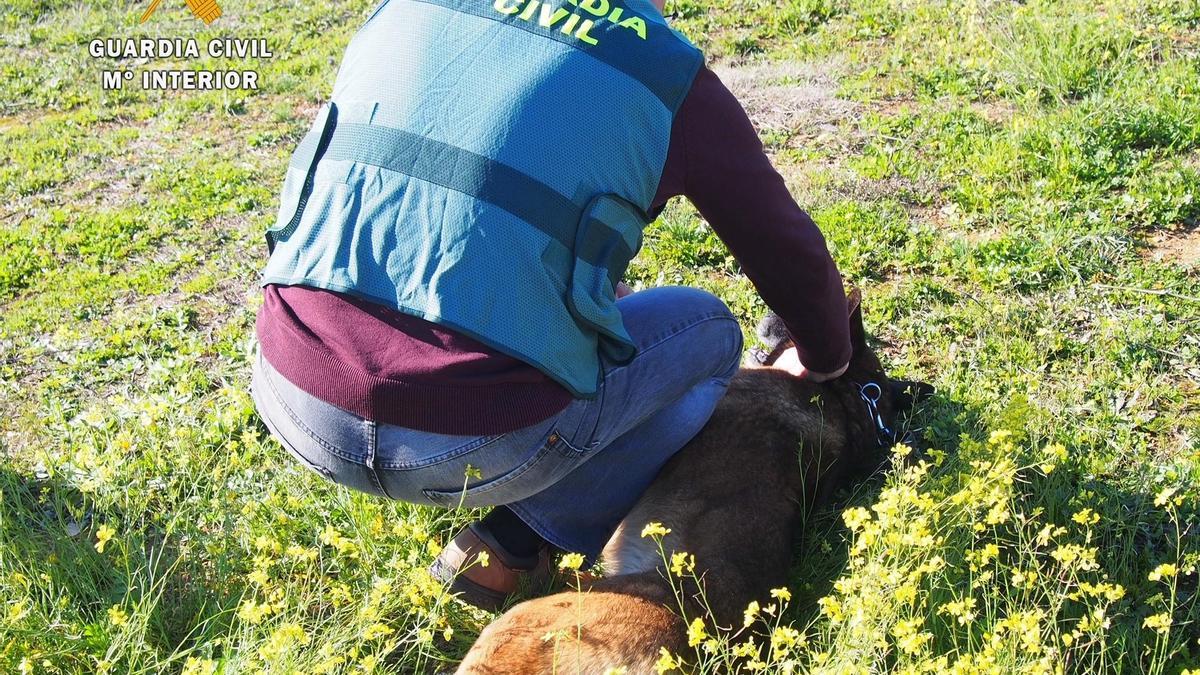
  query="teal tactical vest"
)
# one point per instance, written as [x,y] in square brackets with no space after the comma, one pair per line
[490,167]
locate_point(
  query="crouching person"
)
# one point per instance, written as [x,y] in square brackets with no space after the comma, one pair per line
[441,321]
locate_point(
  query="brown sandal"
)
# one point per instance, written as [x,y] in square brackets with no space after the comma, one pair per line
[488,586]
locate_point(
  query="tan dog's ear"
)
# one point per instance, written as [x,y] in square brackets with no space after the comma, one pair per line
[853,299]
[858,334]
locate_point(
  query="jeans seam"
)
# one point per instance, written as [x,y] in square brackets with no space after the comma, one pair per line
[666,337]
[290,447]
[584,448]
[704,319]
[372,439]
[326,445]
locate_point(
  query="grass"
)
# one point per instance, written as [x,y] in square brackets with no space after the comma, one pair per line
[995,175]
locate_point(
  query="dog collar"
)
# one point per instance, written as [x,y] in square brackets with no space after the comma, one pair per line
[870,393]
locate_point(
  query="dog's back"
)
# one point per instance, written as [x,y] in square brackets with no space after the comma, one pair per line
[619,621]
[732,497]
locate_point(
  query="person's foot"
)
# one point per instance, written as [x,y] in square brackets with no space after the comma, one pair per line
[486,586]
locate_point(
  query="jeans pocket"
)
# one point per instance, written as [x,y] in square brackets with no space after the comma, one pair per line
[552,460]
[399,449]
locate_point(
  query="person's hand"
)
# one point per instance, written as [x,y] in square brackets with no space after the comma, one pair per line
[623,290]
[790,361]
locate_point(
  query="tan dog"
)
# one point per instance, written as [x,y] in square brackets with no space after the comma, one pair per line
[734,497]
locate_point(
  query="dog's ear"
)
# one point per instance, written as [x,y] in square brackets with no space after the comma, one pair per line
[774,334]
[908,394]
[853,298]
[858,334]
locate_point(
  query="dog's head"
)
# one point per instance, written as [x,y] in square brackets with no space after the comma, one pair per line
[885,401]
[874,403]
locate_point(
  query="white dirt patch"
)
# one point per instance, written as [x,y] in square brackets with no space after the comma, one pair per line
[1181,248]
[790,97]
[799,101]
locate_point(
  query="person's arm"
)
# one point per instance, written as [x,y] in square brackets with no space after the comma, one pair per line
[731,181]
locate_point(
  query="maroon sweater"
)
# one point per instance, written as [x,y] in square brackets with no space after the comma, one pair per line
[390,367]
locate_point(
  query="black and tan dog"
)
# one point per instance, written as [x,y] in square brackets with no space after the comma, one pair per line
[733,497]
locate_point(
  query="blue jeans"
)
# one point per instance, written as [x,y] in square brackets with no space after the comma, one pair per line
[572,477]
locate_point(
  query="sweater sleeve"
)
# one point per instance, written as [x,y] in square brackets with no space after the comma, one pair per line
[731,181]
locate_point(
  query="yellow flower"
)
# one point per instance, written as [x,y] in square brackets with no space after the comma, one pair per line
[666,661]
[784,639]
[1158,622]
[1164,496]
[483,558]
[1024,578]
[681,562]
[745,650]
[253,612]
[782,594]
[339,594]
[117,616]
[123,441]
[1054,453]
[1094,622]
[750,614]
[1163,571]
[377,630]
[909,638]
[831,608]
[655,530]
[1086,517]
[331,537]
[856,517]
[264,543]
[103,535]
[906,594]
[960,609]
[301,552]
[195,666]
[991,551]
[1073,555]
[696,632]
[17,611]
[283,640]
[571,561]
